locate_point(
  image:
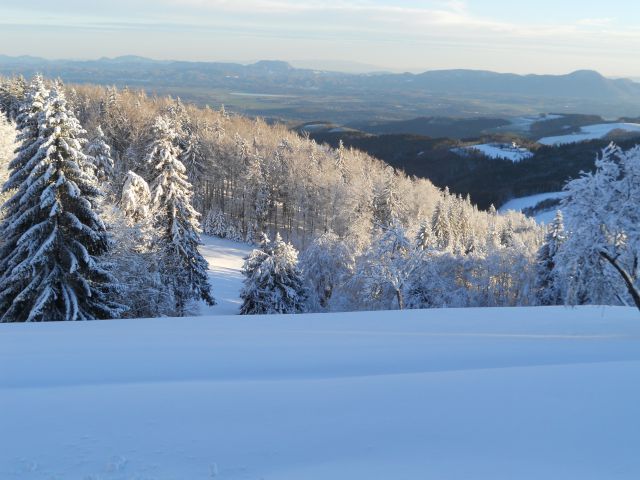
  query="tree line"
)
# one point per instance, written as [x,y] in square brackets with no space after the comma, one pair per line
[369,236]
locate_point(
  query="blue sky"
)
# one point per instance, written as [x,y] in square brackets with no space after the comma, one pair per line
[541,36]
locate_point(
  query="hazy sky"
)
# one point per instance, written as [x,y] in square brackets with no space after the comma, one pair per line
[532,36]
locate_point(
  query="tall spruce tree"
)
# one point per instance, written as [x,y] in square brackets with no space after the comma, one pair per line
[548,288]
[184,267]
[99,156]
[273,283]
[51,267]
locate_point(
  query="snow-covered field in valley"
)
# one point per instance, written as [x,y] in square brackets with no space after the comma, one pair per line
[590,132]
[520,203]
[502,151]
[524,393]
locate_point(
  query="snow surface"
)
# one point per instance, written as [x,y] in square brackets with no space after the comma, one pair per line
[524,393]
[520,203]
[225,259]
[590,132]
[497,151]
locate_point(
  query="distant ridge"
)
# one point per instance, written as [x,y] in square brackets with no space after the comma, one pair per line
[458,93]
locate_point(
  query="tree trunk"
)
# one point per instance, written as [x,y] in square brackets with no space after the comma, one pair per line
[401,300]
[628,280]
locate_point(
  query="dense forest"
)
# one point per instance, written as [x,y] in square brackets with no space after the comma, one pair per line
[109,189]
[486,180]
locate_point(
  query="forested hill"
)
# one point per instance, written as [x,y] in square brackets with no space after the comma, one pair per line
[342,208]
[276,89]
[143,171]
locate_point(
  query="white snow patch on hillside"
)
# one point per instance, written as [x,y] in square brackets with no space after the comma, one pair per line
[502,151]
[590,132]
[488,394]
[520,203]
[225,259]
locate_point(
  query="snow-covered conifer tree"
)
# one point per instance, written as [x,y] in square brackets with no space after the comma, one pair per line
[441,226]
[215,223]
[135,200]
[548,288]
[273,282]
[185,268]
[50,263]
[425,238]
[12,94]
[99,155]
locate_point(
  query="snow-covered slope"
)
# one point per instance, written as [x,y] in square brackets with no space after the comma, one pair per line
[225,259]
[524,393]
[590,132]
[520,203]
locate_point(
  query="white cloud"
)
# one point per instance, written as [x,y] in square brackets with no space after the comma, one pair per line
[595,22]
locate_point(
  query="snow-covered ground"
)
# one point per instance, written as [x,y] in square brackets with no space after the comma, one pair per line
[225,259]
[502,151]
[520,203]
[524,393]
[590,132]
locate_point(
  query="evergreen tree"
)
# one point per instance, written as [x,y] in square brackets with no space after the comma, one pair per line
[547,283]
[441,226]
[12,94]
[215,223]
[135,200]
[184,267]
[273,282]
[425,239]
[99,155]
[51,266]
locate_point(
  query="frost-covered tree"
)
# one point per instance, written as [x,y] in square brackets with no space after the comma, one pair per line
[12,94]
[135,200]
[326,263]
[599,260]
[425,238]
[184,267]
[548,287]
[134,256]
[273,282]
[99,156]
[51,265]
[215,223]
[441,226]
[387,266]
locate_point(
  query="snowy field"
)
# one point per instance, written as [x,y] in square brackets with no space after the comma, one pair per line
[225,259]
[590,132]
[520,203]
[442,394]
[504,152]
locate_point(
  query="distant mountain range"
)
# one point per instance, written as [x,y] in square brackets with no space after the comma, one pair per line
[349,96]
